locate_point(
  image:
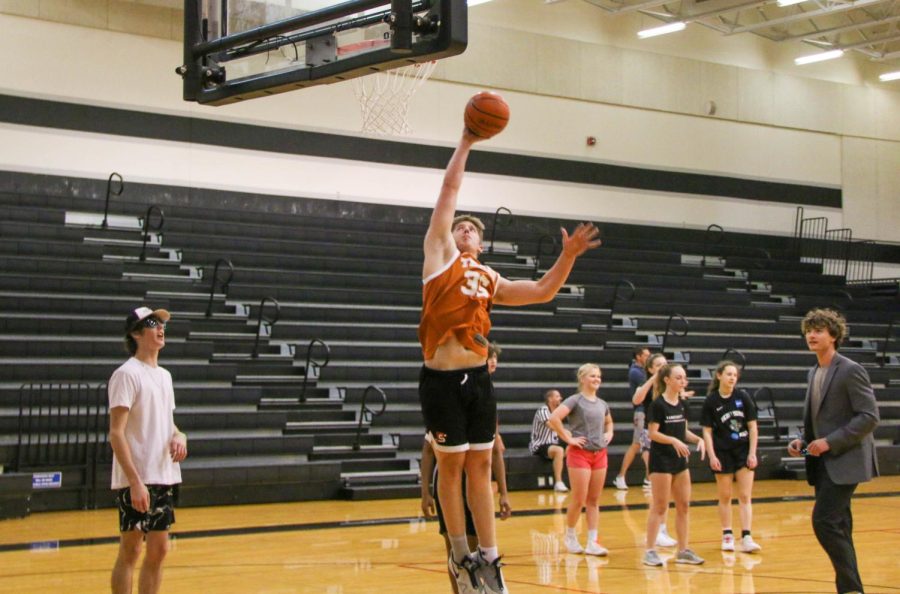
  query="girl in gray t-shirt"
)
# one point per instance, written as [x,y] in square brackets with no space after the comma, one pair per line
[590,429]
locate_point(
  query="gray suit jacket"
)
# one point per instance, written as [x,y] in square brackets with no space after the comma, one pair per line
[847,417]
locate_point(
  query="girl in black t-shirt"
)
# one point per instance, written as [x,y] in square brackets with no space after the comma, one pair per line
[731,435]
[667,425]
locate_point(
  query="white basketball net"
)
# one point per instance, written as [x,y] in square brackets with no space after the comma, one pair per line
[384,97]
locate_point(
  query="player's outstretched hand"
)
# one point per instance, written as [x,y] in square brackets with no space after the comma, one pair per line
[585,237]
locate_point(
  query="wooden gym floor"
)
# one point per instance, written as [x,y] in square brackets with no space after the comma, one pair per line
[339,547]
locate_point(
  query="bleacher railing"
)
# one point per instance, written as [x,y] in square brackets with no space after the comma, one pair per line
[834,249]
[366,414]
[263,319]
[668,332]
[110,192]
[146,228]
[313,365]
[62,427]
[715,231]
[222,283]
[615,299]
[742,360]
[507,222]
[768,412]
[544,240]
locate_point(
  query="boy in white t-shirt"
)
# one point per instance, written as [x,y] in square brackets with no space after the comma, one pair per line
[147,447]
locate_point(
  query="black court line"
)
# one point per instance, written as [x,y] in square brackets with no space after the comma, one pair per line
[334,525]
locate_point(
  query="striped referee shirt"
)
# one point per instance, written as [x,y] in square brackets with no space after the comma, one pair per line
[540,433]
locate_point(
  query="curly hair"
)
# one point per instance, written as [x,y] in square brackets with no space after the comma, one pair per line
[828,319]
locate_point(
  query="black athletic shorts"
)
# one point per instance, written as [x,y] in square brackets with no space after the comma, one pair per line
[733,459]
[543,451]
[666,464]
[459,408]
[160,515]
[470,523]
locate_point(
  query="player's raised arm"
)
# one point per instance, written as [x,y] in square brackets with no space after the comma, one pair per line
[439,244]
[524,292]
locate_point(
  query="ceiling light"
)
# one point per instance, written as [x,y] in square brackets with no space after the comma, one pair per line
[670,28]
[784,3]
[889,76]
[820,57]
[476,2]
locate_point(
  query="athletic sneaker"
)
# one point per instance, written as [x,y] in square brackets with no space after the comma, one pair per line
[663,539]
[728,542]
[560,487]
[646,483]
[594,548]
[465,574]
[491,576]
[688,556]
[620,483]
[652,559]
[748,545]
[572,544]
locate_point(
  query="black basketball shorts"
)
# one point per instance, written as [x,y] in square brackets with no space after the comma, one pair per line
[459,408]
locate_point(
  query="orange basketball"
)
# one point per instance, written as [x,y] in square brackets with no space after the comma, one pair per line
[486,114]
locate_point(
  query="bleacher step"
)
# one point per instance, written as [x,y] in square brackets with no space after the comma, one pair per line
[373,492]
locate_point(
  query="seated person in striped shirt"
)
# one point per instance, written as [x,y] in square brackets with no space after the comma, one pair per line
[545,442]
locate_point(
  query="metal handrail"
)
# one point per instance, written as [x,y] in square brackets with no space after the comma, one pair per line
[262,318]
[772,403]
[494,225]
[721,235]
[740,355]
[146,228]
[363,409]
[109,192]
[313,364]
[687,328]
[887,340]
[554,244]
[612,306]
[223,284]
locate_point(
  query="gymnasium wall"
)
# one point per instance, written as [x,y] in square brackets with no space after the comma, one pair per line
[645,110]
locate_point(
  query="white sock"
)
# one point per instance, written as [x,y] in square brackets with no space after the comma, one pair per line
[662,529]
[459,547]
[489,553]
[571,532]
[592,536]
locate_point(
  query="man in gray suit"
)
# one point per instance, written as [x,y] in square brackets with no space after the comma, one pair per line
[839,417]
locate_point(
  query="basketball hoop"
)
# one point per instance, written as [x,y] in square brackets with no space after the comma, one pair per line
[384,96]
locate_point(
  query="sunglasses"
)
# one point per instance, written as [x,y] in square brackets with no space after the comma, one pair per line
[150,323]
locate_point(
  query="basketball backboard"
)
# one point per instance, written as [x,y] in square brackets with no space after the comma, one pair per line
[236,50]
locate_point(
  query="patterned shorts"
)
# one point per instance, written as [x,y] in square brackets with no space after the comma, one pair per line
[159,517]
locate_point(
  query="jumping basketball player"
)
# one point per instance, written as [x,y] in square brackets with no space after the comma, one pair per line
[455,389]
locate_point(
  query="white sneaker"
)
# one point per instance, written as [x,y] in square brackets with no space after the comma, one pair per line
[652,559]
[465,574]
[572,544]
[728,542]
[646,484]
[594,548]
[620,483]
[491,576]
[560,487]
[689,557]
[748,545]
[663,539]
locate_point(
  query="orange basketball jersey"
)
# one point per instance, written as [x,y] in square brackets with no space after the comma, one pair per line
[456,301]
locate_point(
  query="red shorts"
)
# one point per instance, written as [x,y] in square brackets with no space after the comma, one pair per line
[579,458]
